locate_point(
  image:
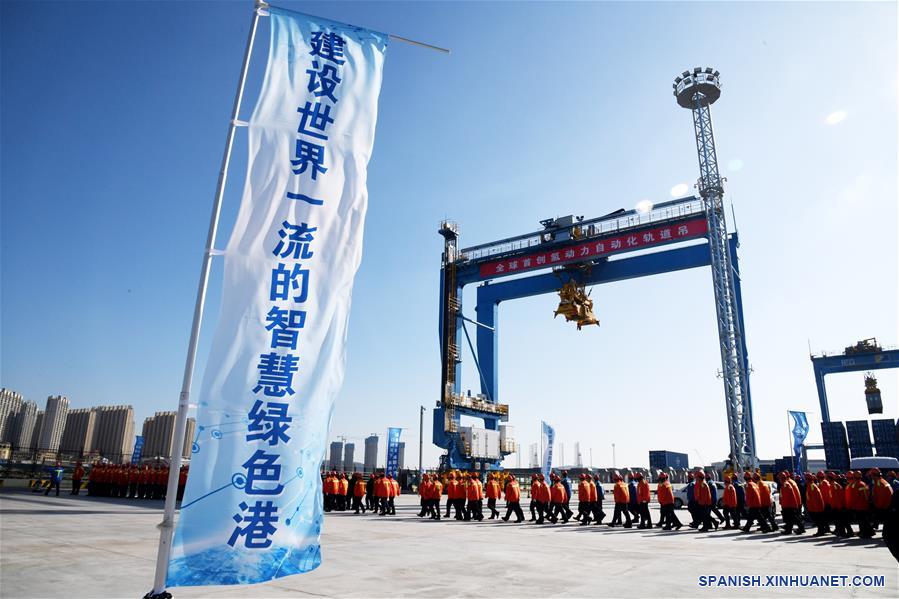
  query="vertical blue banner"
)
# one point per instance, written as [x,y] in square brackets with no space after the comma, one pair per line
[138,449]
[393,451]
[252,509]
[800,432]
[549,433]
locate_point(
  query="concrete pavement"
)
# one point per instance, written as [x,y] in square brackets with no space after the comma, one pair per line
[92,547]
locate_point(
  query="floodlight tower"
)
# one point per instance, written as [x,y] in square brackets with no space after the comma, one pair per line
[697,91]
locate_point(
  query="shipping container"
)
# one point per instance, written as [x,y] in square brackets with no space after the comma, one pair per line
[663,459]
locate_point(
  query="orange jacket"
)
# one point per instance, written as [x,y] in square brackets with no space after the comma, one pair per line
[344,486]
[702,493]
[730,496]
[558,494]
[666,495]
[814,498]
[424,489]
[620,492]
[583,492]
[452,489]
[474,492]
[394,488]
[859,495]
[78,474]
[541,493]
[359,488]
[882,494]
[493,489]
[826,491]
[513,492]
[594,496]
[753,497]
[764,494]
[789,494]
[381,488]
[642,491]
[837,496]
[436,490]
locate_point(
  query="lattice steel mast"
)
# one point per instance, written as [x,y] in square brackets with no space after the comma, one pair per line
[697,91]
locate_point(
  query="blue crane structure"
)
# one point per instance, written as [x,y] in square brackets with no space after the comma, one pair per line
[690,232]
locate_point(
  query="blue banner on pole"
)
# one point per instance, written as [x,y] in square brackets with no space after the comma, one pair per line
[252,508]
[549,433]
[393,451]
[138,449]
[800,432]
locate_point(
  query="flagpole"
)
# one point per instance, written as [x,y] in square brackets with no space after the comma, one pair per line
[790,441]
[166,527]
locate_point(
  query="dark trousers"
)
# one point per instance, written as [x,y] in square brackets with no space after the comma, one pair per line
[731,515]
[559,510]
[532,506]
[705,516]
[768,515]
[668,518]
[76,486]
[621,510]
[596,509]
[756,517]
[514,507]
[862,517]
[459,507]
[132,490]
[382,504]
[449,504]
[474,510]
[434,508]
[357,504]
[792,518]
[645,517]
[542,511]
[491,504]
[694,514]
[634,510]
[820,521]
[53,483]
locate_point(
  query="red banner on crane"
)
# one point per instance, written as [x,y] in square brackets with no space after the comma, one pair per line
[600,246]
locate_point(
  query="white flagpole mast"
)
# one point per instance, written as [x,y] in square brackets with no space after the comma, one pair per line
[166,527]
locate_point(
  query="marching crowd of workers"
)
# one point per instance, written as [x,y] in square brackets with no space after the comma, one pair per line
[833,502]
[126,481]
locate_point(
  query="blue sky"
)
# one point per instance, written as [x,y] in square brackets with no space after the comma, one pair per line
[114,117]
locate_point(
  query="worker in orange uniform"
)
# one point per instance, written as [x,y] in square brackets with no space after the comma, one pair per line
[881,497]
[754,505]
[826,490]
[359,489]
[541,494]
[434,503]
[450,478]
[703,496]
[424,494]
[838,514]
[584,507]
[532,506]
[182,482]
[622,497]
[474,492]
[493,492]
[77,475]
[513,501]
[814,504]
[643,496]
[342,492]
[455,492]
[326,491]
[558,498]
[668,518]
[731,503]
[790,504]
[859,505]
[381,493]
[394,493]
[767,505]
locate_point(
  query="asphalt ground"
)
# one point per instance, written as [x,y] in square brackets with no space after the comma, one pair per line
[95,547]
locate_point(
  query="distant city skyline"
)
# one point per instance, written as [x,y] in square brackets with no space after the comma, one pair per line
[501,133]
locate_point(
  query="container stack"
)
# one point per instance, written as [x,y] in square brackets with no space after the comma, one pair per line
[859,438]
[836,448]
[885,439]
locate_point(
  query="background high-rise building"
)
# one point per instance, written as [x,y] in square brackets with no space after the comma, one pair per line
[23,429]
[114,432]
[371,453]
[348,450]
[335,459]
[159,435]
[36,431]
[10,404]
[79,431]
[401,456]
[54,422]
